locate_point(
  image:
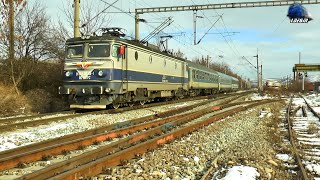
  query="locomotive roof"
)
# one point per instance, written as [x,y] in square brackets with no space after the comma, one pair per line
[108,37]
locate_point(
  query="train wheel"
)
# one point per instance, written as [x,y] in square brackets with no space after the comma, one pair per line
[115,105]
[131,104]
[142,102]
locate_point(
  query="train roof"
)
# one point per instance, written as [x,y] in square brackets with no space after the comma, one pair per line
[108,37]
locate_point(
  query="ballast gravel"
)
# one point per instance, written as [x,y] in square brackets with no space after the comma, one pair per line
[243,139]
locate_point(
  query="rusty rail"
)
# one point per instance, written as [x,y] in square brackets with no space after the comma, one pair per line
[294,112]
[11,158]
[92,168]
[14,119]
[311,109]
[13,125]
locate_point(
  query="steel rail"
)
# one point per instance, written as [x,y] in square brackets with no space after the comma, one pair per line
[89,168]
[12,158]
[311,109]
[10,120]
[18,125]
[294,112]
[160,127]
[114,126]
[292,141]
[59,118]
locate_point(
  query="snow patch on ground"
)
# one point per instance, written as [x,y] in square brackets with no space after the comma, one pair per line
[314,168]
[241,173]
[284,157]
[256,96]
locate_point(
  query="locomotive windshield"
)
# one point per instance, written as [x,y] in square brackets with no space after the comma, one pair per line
[99,50]
[75,51]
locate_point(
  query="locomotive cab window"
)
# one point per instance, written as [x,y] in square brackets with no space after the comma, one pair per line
[75,51]
[98,50]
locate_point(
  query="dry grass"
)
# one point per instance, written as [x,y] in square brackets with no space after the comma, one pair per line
[313,128]
[10,102]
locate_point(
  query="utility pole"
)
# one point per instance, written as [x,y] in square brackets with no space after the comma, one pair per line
[303,75]
[11,30]
[261,78]
[258,76]
[299,57]
[76,22]
[194,27]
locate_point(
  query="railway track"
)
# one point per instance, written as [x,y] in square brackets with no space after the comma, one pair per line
[302,170]
[154,133]
[90,133]
[299,130]
[36,120]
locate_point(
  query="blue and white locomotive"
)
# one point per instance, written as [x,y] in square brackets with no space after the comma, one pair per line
[110,70]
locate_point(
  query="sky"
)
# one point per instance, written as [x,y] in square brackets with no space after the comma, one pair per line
[266,29]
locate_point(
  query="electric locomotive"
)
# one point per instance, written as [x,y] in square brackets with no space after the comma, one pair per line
[110,70]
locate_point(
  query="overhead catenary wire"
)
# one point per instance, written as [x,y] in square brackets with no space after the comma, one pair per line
[85,24]
[189,38]
[208,30]
[132,16]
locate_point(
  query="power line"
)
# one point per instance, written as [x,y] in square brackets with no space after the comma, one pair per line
[85,24]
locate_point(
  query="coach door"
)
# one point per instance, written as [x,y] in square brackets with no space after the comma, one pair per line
[122,58]
[183,69]
[123,53]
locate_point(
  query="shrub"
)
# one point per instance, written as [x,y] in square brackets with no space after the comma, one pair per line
[313,128]
[42,101]
[10,102]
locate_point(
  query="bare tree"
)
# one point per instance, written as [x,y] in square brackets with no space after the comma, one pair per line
[90,21]
[35,39]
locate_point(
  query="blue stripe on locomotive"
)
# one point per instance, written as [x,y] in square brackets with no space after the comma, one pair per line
[118,74]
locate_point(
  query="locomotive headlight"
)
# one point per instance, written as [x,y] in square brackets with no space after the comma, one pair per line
[67,73]
[100,73]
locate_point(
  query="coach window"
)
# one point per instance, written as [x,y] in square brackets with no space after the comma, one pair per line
[164,63]
[150,59]
[193,74]
[99,50]
[75,51]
